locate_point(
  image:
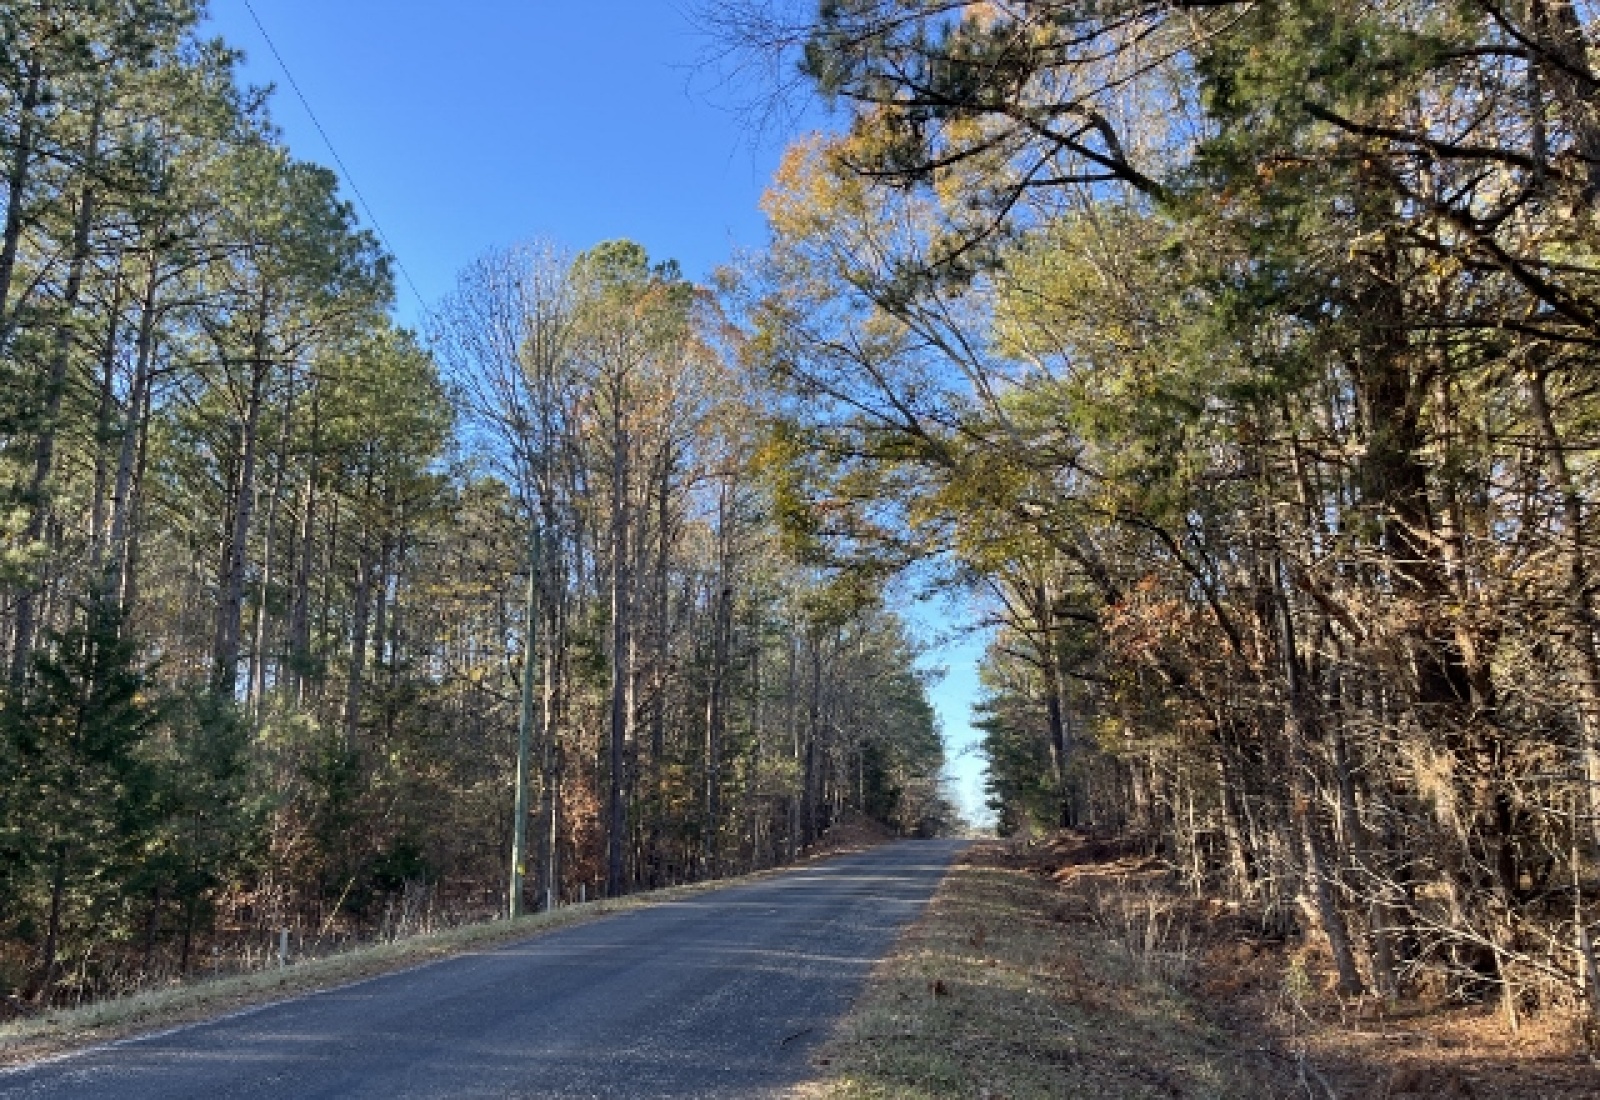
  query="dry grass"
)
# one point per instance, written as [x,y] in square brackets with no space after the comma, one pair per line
[1011,988]
[1071,968]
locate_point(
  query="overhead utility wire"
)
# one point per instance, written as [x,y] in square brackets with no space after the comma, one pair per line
[337,159]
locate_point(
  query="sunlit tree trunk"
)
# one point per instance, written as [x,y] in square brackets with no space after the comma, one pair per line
[621,718]
[38,494]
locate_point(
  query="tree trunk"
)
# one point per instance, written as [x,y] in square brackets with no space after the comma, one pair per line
[256,681]
[360,622]
[1580,614]
[525,719]
[105,415]
[129,453]
[128,585]
[1563,65]
[658,703]
[18,179]
[52,935]
[1304,797]
[621,674]
[549,748]
[811,780]
[230,605]
[791,720]
[38,496]
[716,718]
[753,781]
[300,607]
[152,929]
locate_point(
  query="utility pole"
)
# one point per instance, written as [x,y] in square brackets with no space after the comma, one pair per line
[519,825]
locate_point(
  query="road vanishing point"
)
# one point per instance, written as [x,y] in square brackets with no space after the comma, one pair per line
[723,994]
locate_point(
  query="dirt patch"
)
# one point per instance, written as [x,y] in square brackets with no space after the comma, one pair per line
[853,832]
[1445,1051]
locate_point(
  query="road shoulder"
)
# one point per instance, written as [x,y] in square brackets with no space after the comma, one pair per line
[1009,987]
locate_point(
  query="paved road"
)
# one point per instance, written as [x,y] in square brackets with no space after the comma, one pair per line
[721,995]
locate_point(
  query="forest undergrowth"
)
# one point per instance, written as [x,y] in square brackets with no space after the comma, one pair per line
[1070,967]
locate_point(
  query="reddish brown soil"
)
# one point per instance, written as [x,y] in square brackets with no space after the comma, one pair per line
[852,832]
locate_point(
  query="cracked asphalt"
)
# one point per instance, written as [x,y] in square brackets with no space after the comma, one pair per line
[725,994]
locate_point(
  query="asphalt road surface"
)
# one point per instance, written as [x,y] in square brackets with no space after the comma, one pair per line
[721,995]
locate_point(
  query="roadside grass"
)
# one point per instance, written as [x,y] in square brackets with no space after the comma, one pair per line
[59,1031]
[1009,987]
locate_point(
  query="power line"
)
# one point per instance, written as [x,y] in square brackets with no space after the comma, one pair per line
[337,159]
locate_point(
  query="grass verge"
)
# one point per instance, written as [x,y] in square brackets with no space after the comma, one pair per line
[1010,988]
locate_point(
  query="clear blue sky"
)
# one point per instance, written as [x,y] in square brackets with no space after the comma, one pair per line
[477,124]
[474,124]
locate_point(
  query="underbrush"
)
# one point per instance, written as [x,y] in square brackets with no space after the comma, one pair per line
[1074,968]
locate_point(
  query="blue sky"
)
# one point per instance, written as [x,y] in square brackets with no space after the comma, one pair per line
[476,124]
